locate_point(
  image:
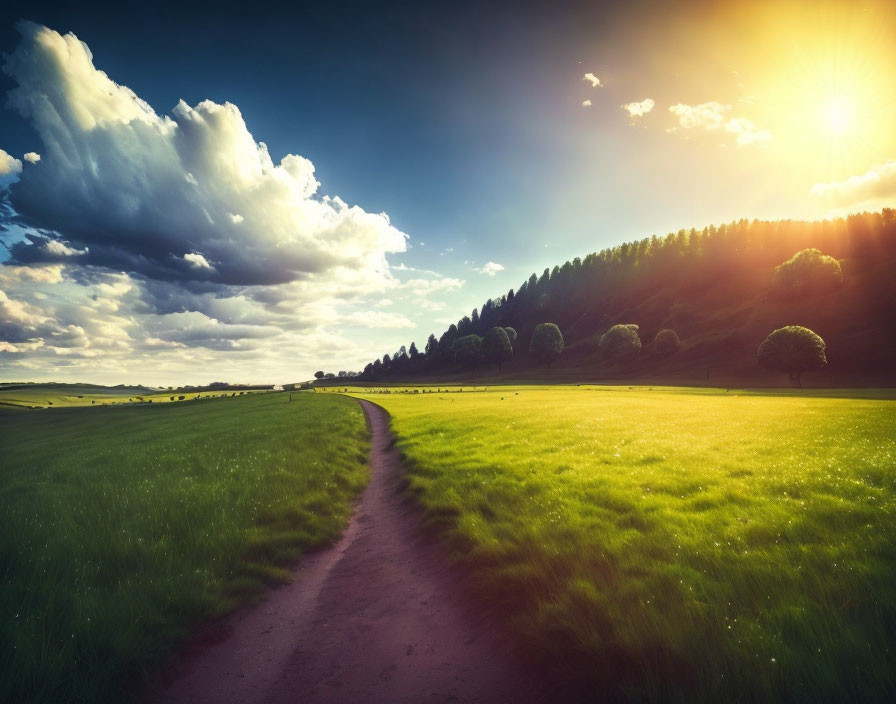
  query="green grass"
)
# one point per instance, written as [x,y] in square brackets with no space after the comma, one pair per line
[691,545]
[49,397]
[125,527]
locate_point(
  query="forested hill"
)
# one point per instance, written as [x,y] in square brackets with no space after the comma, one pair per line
[722,290]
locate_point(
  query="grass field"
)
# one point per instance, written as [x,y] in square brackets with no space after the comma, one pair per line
[123,527]
[671,543]
[48,397]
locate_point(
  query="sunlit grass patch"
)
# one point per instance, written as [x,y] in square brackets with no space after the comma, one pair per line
[124,527]
[694,545]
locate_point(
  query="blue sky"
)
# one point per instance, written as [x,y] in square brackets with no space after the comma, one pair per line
[472,126]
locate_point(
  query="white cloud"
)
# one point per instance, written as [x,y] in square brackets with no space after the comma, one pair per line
[32,157]
[219,258]
[592,79]
[83,117]
[17,312]
[197,261]
[709,116]
[490,268]
[378,319]
[586,103]
[10,168]
[158,342]
[746,131]
[425,287]
[876,187]
[40,274]
[712,116]
[60,249]
[639,109]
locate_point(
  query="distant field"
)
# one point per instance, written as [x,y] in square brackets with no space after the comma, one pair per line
[698,545]
[48,397]
[125,526]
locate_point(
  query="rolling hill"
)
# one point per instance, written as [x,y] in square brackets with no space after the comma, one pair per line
[716,288]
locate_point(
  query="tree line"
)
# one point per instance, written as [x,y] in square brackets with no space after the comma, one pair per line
[561,305]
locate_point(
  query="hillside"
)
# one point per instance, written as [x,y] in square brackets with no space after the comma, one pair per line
[713,287]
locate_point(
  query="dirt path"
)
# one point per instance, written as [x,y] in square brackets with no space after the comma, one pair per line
[379,617]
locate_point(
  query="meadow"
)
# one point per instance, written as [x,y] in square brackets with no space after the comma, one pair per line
[673,544]
[125,527]
[47,396]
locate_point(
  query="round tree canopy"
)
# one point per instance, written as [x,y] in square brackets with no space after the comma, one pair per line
[792,349]
[496,346]
[620,342]
[547,343]
[805,272]
[666,342]
[467,349]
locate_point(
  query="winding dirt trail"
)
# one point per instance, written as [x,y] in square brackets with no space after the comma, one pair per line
[378,617]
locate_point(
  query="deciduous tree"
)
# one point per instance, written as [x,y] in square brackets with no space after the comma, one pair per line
[468,351]
[666,342]
[620,343]
[547,343]
[496,346]
[792,349]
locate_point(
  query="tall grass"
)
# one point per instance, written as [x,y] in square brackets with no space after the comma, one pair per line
[124,527]
[672,544]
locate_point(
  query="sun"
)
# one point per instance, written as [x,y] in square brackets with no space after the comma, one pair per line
[838,116]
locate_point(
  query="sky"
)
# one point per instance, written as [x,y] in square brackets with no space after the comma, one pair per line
[249,194]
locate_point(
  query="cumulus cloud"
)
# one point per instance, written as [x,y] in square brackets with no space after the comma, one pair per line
[160,187]
[13,312]
[490,268]
[592,79]
[10,168]
[41,274]
[709,116]
[639,109]
[876,186]
[58,248]
[197,261]
[586,103]
[171,243]
[713,116]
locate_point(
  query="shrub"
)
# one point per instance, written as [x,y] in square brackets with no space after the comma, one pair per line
[666,342]
[620,343]
[792,349]
[808,271]
[547,343]
[511,334]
